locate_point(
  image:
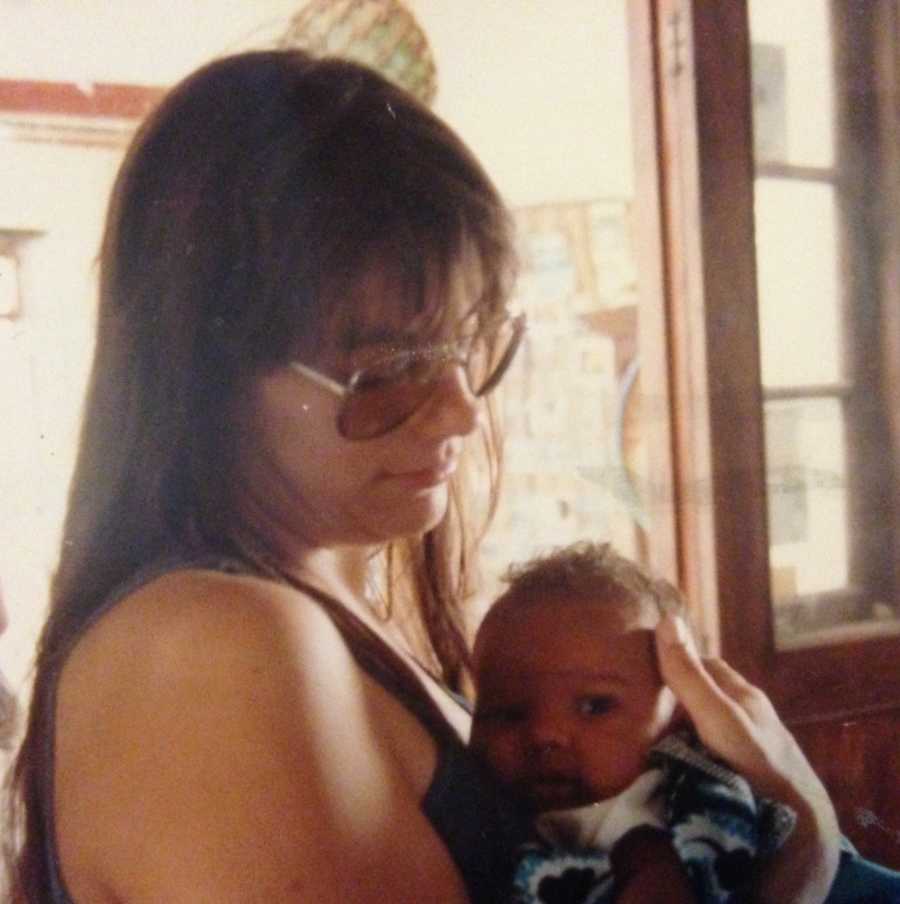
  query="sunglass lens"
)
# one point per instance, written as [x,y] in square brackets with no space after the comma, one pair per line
[491,355]
[385,395]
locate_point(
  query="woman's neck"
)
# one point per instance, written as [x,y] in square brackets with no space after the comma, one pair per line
[341,571]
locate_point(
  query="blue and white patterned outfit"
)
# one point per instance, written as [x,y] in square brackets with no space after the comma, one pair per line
[717,826]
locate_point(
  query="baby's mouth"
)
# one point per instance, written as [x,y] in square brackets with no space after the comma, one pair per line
[555,791]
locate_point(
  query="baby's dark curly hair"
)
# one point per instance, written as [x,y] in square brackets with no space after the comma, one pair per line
[590,571]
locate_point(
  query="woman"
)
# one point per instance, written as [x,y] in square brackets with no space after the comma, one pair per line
[303,280]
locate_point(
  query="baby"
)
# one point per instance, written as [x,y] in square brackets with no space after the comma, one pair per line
[573,717]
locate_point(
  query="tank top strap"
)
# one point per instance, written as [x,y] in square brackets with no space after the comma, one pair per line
[382,663]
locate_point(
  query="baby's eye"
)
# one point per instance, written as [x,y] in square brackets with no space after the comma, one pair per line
[595,705]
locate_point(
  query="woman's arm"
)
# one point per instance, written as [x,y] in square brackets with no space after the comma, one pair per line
[737,721]
[216,742]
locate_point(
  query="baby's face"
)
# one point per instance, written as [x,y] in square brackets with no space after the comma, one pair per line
[569,701]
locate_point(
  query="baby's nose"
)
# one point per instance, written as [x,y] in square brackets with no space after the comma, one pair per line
[546,733]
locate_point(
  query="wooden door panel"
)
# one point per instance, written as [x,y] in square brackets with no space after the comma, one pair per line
[858,759]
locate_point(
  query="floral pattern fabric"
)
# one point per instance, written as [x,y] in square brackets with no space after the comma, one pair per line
[718,827]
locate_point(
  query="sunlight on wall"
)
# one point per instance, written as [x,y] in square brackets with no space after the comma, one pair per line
[59,192]
[539,90]
[534,88]
[527,83]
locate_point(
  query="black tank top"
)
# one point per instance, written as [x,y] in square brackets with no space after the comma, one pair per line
[479,826]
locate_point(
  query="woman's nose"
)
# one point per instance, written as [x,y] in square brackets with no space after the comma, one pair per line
[452,409]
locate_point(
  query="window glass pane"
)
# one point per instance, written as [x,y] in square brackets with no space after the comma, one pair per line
[830,497]
[792,103]
[797,280]
[814,596]
[806,479]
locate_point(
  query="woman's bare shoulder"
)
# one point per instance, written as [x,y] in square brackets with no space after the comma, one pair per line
[198,634]
[225,728]
[160,623]
[201,640]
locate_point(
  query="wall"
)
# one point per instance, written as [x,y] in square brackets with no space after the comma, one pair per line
[58,192]
[535,87]
[538,89]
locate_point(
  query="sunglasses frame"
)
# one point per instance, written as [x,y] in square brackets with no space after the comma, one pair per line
[449,352]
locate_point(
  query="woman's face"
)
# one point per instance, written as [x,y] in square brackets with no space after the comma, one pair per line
[300,476]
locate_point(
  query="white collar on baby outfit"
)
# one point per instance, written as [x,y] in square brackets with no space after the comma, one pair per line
[601,824]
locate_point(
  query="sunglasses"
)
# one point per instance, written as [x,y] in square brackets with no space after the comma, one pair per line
[381,396]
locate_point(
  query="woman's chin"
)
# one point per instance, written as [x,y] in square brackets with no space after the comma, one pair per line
[404,515]
[425,511]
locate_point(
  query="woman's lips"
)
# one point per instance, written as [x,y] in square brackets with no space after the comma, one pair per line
[428,477]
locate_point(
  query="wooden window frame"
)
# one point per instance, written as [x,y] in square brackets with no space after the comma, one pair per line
[868,156]
[695,177]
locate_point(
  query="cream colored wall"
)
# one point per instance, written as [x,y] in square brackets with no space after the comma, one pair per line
[527,83]
[58,192]
[535,87]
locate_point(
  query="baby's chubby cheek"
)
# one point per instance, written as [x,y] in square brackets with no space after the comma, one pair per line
[498,753]
[481,743]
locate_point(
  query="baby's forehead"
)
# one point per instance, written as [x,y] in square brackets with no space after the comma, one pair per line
[544,634]
[613,612]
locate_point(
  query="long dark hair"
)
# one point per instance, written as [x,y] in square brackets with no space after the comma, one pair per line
[261,182]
